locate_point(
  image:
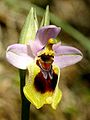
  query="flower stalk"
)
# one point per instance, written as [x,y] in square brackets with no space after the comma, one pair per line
[25,104]
[28,32]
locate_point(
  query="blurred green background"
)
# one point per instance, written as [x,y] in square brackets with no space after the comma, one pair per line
[74,18]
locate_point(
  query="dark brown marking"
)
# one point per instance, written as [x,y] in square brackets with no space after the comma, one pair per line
[43,85]
[46,58]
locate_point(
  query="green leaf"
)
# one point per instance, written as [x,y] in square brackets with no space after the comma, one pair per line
[46,19]
[30,27]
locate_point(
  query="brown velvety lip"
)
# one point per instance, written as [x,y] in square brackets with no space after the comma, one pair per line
[43,85]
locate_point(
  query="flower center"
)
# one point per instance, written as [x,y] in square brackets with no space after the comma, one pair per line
[46,79]
[45,62]
[46,58]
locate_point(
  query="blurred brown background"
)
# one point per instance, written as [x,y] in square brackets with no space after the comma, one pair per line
[75,80]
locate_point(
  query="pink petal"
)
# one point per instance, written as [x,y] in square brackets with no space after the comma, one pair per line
[65,56]
[35,47]
[56,46]
[45,33]
[19,55]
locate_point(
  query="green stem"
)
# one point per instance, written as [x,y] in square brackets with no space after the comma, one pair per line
[25,105]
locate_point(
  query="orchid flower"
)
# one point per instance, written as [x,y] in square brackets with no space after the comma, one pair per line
[43,58]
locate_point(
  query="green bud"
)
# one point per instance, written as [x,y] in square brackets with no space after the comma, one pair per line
[46,19]
[30,27]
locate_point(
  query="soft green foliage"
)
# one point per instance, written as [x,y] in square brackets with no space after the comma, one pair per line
[46,19]
[30,27]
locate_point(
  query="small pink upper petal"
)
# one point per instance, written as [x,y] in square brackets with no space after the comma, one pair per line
[35,47]
[66,55]
[45,33]
[19,55]
[55,47]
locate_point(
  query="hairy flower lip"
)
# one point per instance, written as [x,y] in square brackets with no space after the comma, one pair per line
[49,83]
